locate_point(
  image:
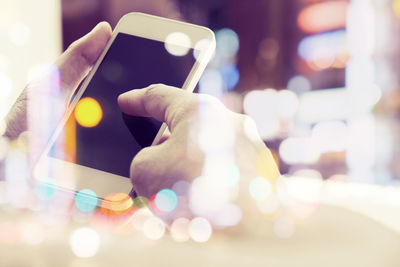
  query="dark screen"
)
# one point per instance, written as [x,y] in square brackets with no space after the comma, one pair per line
[132,62]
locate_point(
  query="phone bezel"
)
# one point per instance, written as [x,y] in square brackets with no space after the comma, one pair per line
[72,177]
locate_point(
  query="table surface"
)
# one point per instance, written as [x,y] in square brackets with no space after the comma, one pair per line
[355,228]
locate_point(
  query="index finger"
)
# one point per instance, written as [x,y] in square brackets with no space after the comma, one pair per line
[164,103]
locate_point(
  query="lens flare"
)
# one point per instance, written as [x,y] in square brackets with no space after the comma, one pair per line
[88,112]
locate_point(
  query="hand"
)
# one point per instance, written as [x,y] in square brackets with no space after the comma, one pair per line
[69,69]
[206,140]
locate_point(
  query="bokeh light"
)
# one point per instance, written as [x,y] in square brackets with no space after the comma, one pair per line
[181,188]
[288,104]
[230,75]
[139,217]
[4,147]
[84,242]
[260,188]
[233,175]
[212,83]
[294,150]
[86,200]
[299,84]
[154,228]
[45,190]
[166,200]
[396,7]
[322,51]
[88,112]
[180,229]
[330,136]
[325,16]
[227,42]
[284,227]
[3,127]
[269,205]
[261,105]
[200,47]
[116,204]
[32,233]
[178,43]
[5,85]
[19,34]
[200,230]
[230,215]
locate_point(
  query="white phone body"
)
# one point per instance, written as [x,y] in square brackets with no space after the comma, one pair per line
[72,177]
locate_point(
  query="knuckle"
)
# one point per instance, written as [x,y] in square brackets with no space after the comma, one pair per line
[152,92]
[73,46]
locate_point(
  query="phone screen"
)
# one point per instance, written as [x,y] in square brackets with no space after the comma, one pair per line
[104,138]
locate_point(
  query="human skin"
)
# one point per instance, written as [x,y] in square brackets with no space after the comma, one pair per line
[205,140]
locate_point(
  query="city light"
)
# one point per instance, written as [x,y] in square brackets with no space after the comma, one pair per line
[88,112]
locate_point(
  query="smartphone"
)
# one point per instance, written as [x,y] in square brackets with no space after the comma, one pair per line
[95,143]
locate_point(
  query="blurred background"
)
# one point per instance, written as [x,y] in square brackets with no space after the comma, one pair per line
[319,77]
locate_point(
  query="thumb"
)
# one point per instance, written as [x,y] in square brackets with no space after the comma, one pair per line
[76,61]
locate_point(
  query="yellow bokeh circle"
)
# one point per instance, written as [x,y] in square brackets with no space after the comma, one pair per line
[88,112]
[396,7]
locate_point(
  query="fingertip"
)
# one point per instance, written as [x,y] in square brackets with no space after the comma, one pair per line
[103,26]
[122,99]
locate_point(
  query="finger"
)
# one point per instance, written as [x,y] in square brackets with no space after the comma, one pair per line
[146,178]
[76,61]
[165,136]
[164,103]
